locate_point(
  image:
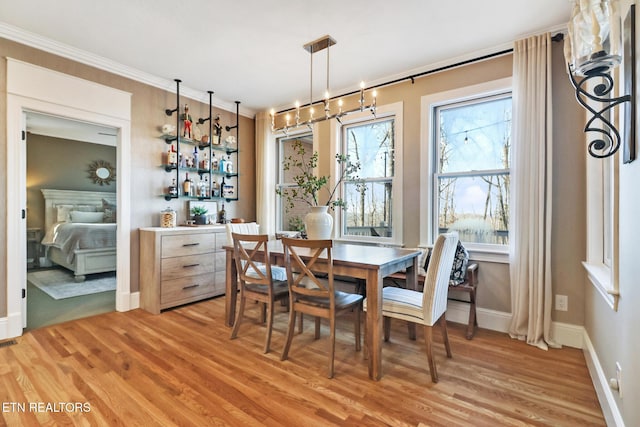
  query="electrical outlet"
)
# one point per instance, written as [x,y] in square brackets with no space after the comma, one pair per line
[619,378]
[562,302]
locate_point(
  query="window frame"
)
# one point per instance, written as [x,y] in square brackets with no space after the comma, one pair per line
[428,181]
[302,132]
[383,112]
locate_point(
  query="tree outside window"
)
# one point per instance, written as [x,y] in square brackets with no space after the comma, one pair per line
[473,141]
[291,217]
[369,201]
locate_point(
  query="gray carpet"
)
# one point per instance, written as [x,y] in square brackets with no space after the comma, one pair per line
[60,284]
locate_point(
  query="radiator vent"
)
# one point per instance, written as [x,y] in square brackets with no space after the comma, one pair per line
[8,343]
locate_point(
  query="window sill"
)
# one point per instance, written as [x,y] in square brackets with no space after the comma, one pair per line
[600,277]
[483,255]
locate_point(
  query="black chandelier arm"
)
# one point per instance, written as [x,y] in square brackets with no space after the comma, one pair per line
[608,139]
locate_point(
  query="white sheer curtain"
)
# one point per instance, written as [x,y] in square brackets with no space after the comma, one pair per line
[530,241]
[265,174]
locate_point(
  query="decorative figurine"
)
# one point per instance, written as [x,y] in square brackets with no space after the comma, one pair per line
[186,122]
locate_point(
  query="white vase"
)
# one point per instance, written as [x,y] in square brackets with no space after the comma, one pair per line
[319,223]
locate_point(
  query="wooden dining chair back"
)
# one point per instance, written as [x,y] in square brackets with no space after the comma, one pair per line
[313,293]
[429,306]
[258,280]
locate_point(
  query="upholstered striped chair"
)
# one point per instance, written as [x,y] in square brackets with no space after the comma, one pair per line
[429,306]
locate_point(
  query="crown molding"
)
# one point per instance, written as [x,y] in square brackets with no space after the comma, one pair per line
[27,38]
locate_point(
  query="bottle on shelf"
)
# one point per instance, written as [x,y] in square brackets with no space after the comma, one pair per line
[204,162]
[214,162]
[215,188]
[228,164]
[173,189]
[222,215]
[222,164]
[172,156]
[195,157]
[205,187]
[186,186]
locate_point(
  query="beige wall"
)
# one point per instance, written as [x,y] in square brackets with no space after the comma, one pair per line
[568,246]
[615,335]
[148,115]
[61,164]
[148,179]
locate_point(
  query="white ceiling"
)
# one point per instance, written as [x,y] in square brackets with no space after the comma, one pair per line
[251,50]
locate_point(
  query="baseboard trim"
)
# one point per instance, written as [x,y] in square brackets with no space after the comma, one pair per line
[607,400]
[10,326]
[458,312]
[128,301]
[563,333]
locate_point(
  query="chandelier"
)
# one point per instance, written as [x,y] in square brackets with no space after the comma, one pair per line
[296,121]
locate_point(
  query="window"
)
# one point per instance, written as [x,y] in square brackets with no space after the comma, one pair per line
[472,144]
[372,204]
[465,167]
[290,218]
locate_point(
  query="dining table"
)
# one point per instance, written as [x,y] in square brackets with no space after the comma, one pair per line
[358,261]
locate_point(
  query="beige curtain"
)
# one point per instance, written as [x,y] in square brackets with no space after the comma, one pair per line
[265,174]
[530,239]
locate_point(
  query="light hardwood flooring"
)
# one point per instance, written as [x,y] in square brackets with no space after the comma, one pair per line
[181,368]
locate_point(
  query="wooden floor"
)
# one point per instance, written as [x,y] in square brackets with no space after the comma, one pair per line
[180,368]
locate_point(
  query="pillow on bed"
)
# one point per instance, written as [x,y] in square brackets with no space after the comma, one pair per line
[86,217]
[64,212]
[110,211]
[86,208]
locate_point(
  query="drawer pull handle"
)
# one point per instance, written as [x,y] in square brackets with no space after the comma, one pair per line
[190,244]
[190,265]
[190,286]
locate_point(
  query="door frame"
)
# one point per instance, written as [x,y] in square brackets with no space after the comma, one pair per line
[31,88]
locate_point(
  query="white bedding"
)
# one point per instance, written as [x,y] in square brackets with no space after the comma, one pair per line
[70,236]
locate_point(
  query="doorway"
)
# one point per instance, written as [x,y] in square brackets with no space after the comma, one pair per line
[35,89]
[59,154]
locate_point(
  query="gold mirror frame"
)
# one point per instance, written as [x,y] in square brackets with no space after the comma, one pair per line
[102,172]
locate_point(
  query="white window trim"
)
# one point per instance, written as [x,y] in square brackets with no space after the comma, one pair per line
[427,104]
[603,277]
[292,133]
[388,110]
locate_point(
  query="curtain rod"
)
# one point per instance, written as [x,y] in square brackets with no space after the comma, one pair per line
[556,38]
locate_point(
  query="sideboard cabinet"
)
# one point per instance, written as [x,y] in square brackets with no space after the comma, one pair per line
[180,265]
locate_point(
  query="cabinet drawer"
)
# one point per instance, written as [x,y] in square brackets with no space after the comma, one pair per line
[192,265]
[188,244]
[185,288]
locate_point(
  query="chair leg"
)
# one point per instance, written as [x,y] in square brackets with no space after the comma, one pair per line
[432,363]
[239,316]
[267,342]
[263,312]
[357,332]
[300,323]
[317,335]
[366,344]
[332,342]
[445,334]
[290,328]
[411,328]
[473,321]
[386,326]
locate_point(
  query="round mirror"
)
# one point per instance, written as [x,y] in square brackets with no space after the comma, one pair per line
[102,172]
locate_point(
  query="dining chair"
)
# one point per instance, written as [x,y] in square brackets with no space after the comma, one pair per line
[257,279]
[310,293]
[429,306]
[241,228]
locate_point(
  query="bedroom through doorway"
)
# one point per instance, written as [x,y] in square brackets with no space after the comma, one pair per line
[71,219]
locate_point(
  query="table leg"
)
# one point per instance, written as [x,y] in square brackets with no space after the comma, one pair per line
[231,289]
[374,324]
[411,282]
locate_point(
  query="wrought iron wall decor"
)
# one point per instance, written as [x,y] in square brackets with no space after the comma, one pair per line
[593,49]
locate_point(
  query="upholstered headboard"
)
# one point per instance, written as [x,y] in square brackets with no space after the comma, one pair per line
[55,198]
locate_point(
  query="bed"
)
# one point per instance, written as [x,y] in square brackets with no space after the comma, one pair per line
[80,230]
